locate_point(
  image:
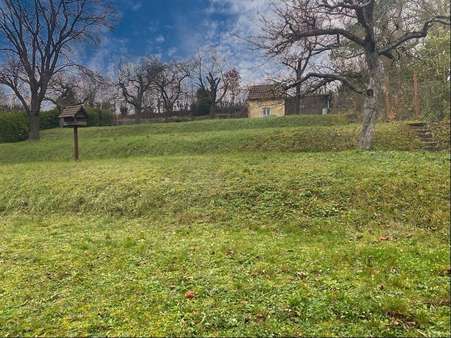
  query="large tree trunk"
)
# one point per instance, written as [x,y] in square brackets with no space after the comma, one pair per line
[33,117]
[298,99]
[298,88]
[213,110]
[370,104]
[168,111]
[138,111]
[34,127]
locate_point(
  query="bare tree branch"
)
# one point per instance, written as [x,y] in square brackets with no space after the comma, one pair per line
[38,35]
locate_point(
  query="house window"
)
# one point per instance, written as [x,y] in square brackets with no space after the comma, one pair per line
[266,112]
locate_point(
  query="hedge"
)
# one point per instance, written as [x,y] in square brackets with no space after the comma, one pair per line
[96,118]
[13,127]
[49,119]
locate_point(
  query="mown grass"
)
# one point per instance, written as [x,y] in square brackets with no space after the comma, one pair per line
[289,134]
[268,240]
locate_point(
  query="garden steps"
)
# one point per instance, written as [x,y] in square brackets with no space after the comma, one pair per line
[424,133]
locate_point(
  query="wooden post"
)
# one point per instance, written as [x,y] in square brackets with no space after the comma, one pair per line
[76,154]
[416,96]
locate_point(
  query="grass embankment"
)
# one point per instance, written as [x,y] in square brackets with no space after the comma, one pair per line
[268,241]
[290,134]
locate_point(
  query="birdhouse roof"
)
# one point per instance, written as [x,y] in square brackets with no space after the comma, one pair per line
[72,111]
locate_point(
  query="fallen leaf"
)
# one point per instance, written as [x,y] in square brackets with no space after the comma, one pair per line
[189,294]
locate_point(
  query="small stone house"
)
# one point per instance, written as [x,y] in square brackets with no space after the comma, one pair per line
[265,100]
[270,100]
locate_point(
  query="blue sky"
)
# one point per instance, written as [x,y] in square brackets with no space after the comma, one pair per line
[178,28]
[169,27]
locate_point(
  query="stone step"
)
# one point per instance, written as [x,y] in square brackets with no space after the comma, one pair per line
[424,137]
[424,134]
[429,146]
[423,131]
[417,124]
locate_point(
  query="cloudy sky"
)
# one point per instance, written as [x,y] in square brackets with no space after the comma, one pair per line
[179,28]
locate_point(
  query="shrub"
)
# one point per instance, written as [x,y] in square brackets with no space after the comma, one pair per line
[98,117]
[441,134]
[49,119]
[13,127]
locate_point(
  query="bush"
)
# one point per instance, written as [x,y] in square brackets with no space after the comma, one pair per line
[98,117]
[441,134]
[13,127]
[49,119]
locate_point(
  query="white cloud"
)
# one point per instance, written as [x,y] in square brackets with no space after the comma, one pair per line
[227,38]
[233,43]
[136,6]
[107,55]
[160,39]
[171,51]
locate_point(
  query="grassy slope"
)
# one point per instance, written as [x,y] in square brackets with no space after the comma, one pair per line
[269,240]
[291,134]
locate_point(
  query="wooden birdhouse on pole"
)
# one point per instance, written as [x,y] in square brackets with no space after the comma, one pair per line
[74,117]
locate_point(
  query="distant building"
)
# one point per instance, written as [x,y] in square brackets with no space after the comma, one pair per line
[315,104]
[271,100]
[265,100]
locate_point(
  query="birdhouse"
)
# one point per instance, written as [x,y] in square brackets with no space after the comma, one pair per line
[74,116]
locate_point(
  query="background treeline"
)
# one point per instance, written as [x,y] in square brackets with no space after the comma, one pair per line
[415,77]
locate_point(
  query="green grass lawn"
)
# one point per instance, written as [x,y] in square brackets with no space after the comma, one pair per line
[269,227]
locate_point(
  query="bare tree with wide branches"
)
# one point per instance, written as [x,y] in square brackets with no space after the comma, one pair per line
[77,85]
[135,82]
[212,80]
[322,31]
[36,39]
[168,81]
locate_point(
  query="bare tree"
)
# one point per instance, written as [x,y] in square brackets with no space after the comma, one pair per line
[212,81]
[135,81]
[347,30]
[77,85]
[62,91]
[36,37]
[90,86]
[4,102]
[168,81]
[232,77]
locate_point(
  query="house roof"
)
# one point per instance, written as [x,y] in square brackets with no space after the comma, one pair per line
[71,111]
[265,92]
